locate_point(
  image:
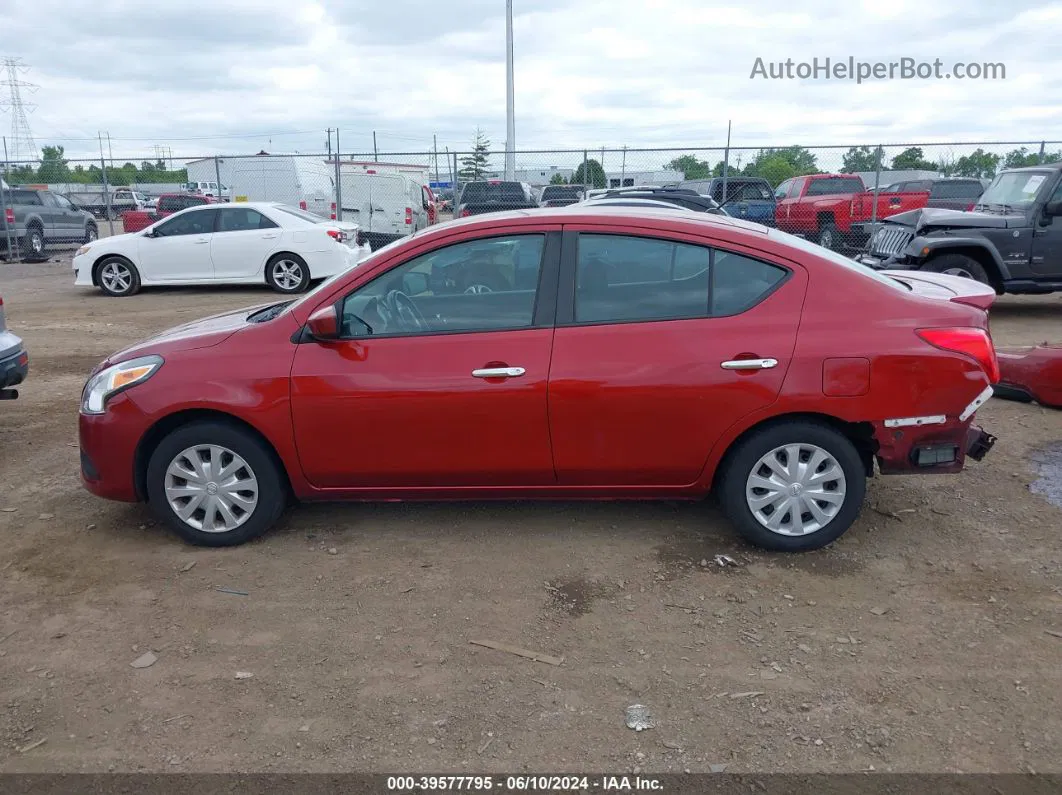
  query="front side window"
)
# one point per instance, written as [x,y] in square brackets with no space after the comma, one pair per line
[478,285]
[242,219]
[624,279]
[198,222]
[63,202]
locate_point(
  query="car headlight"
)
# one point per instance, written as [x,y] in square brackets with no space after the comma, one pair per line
[109,382]
[82,250]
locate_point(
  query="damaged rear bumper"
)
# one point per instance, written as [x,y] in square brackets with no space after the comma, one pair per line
[932,444]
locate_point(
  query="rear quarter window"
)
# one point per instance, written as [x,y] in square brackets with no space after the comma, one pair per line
[834,185]
[956,190]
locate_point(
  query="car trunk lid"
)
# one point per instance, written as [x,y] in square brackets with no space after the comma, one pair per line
[946,287]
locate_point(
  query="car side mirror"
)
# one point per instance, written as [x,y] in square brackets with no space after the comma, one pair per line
[1053,209]
[415,283]
[324,323]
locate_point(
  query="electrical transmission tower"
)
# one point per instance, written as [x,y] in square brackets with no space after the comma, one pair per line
[21,146]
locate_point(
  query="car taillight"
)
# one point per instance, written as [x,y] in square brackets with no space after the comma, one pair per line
[409,216]
[970,209]
[9,215]
[972,342]
[302,205]
[333,211]
[465,212]
[338,235]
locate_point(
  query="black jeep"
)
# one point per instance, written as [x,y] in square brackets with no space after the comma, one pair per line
[1012,240]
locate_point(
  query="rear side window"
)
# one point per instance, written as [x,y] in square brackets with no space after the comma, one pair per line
[970,189]
[25,197]
[242,220]
[169,204]
[833,185]
[493,192]
[626,279]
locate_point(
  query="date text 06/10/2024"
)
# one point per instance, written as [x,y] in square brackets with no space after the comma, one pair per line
[526,783]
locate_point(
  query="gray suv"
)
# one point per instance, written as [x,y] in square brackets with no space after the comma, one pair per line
[32,220]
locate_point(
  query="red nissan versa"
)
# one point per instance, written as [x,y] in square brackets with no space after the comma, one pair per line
[566,353]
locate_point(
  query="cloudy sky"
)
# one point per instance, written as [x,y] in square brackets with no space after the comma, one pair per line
[206,76]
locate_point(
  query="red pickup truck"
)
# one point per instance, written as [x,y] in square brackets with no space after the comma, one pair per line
[168,204]
[831,209]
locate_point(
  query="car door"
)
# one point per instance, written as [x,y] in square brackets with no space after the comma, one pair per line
[73,222]
[244,240]
[54,228]
[662,344]
[179,248]
[1047,242]
[458,401]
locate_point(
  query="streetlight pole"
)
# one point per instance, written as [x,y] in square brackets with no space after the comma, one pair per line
[510,113]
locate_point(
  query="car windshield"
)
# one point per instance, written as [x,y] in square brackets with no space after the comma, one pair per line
[303,214]
[1016,187]
[493,192]
[838,259]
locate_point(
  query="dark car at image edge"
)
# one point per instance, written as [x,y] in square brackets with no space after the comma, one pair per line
[14,361]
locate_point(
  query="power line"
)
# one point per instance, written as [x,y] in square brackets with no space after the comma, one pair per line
[23,146]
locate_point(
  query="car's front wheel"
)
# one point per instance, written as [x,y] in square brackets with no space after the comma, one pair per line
[287,273]
[118,277]
[794,486]
[215,484]
[958,265]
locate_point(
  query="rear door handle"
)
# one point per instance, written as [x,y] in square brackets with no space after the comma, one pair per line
[749,364]
[498,372]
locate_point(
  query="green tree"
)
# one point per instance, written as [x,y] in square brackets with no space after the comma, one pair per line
[1020,158]
[860,158]
[912,159]
[778,165]
[978,163]
[691,167]
[596,175]
[558,179]
[474,164]
[53,166]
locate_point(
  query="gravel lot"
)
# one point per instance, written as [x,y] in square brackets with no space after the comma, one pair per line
[920,642]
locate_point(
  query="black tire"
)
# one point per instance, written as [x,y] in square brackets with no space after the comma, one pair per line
[277,281]
[34,245]
[958,265]
[828,236]
[271,485]
[742,459]
[91,233]
[113,287]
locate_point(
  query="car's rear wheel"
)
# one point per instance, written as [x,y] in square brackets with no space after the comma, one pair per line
[793,487]
[287,273]
[91,233]
[34,244]
[828,235]
[958,265]
[215,484]
[118,277]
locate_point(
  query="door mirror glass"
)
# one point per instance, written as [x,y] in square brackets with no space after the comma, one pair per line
[324,323]
[415,283]
[1053,209]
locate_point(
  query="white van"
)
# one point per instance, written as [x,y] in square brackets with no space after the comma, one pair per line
[385,206]
[303,182]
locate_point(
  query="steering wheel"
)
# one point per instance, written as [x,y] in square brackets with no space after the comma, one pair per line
[401,307]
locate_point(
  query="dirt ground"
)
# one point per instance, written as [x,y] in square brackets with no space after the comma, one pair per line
[919,642]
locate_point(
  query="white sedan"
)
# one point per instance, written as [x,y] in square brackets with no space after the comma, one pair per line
[240,243]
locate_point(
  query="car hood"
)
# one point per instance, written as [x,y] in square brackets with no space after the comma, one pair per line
[204,333]
[955,219]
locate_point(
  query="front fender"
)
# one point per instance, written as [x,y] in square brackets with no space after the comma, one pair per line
[921,248]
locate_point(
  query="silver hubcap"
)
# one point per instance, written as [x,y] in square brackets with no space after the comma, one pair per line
[211,489]
[826,239]
[287,274]
[795,489]
[475,289]
[36,243]
[116,277]
[959,272]
[91,235]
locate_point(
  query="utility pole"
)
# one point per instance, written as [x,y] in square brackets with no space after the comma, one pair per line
[623,168]
[435,152]
[375,154]
[106,186]
[339,187]
[3,203]
[23,145]
[726,162]
[510,112]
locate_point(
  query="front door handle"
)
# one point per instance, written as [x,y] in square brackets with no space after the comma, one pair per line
[269,237]
[498,372]
[201,242]
[749,364]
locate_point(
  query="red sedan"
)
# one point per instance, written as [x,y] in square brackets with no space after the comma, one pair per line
[571,353]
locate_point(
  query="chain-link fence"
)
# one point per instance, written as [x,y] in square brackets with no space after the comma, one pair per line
[831,194]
